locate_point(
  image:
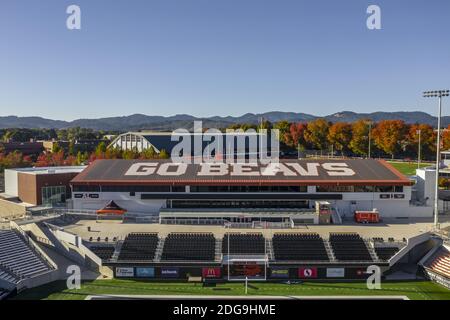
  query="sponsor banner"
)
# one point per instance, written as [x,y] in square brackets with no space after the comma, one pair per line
[171,272]
[335,272]
[305,273]
[279,272]
[122,272]
[145,272]
[212,272]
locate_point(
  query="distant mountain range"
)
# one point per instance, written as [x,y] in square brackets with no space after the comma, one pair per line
[145,122]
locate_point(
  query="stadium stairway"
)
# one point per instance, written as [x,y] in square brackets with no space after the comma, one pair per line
[117,249]
[159,250]
[371,249]
[329,250]
[218,250]
[269,249]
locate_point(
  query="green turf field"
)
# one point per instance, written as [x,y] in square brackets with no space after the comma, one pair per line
[407,168]
[420,290]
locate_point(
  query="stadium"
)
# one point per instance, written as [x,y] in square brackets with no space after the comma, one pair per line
[154,227]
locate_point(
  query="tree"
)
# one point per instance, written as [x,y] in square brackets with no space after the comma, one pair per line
[71,150]
[427,139]
[296,135]
[340,135]
[14,160]
[389,136]
[163,154]
[283,128]
[446,138]
[316,133]
[359,142]
[149,153]
[129,154]
[55,147]
[101,148]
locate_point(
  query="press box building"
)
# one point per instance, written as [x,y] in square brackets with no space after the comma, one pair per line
[237,192]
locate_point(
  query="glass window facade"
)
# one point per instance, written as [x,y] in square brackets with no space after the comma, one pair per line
[53,195]
[249,189]
[359,189]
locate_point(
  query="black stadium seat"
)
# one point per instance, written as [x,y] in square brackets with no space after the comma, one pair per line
[385,253]
[139,247]
[103,252]
[18,258]
[189,247]
[349,247]
[299,247]
[241,244]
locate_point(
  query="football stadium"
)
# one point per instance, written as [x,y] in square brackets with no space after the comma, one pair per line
[146,229]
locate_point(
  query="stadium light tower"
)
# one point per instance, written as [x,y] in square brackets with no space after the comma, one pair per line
[437,94]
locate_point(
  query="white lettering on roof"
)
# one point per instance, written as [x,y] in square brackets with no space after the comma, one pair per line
[277,167]
[165,169]
[338,169]
[142,169]
[311,169]
[287,169]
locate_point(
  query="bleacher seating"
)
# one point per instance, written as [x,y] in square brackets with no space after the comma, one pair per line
[385,253]
[139,247]
[18,258]
[189,247]
[3,293]
[7,275]
[441,263]
[299,247]
[349,247]
[241,244]
[103,252]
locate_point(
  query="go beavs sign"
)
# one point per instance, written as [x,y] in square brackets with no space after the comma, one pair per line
[287,169]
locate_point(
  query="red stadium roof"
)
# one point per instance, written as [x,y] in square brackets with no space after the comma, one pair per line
[286,172]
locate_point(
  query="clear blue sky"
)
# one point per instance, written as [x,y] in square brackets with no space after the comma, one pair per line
[220,57]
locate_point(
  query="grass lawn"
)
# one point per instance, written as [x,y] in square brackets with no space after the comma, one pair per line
[407,168]
[418,290]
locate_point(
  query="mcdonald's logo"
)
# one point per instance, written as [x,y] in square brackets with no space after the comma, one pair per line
[213,272]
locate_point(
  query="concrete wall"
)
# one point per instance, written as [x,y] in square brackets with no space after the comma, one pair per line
[9,209]
[11,185]
[425,185]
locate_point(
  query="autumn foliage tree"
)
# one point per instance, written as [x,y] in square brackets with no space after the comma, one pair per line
[389,136]
[14,160]
[296,135]
[427,139]
[53,159]
[283,128]
[445,144]
[316,133]
[359,143]
[340,135]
